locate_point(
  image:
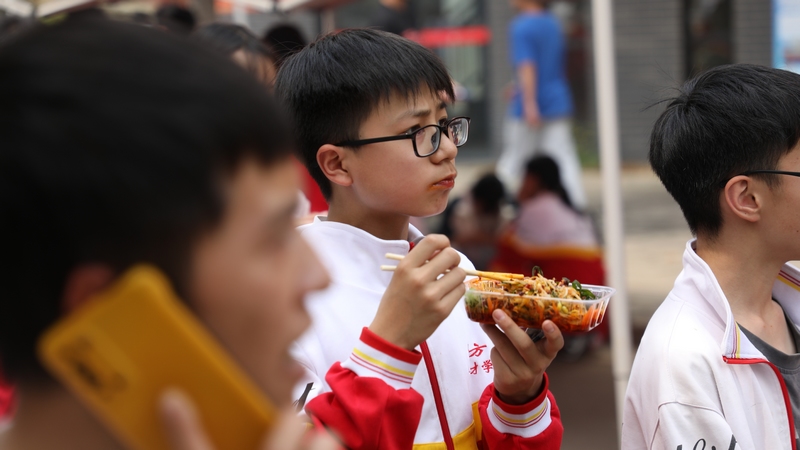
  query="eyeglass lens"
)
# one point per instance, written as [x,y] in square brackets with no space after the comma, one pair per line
[458,131]
[427,139]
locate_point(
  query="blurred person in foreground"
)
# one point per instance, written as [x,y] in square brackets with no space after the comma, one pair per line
[541,105]
[717,366]
[122,145]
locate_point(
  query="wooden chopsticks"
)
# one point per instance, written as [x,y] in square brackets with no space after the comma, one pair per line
[478,273]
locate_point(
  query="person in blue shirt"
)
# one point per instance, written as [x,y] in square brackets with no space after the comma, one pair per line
[541,106]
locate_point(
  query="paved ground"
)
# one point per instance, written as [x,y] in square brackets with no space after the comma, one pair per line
[655,234]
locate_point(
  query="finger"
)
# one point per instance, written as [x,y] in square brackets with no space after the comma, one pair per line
[553,342]
[287,433]
[323,442]
[500,365]
[505,349]
[518,340]
[425,250]
[182,423]
[449,282]
[445,260]
[450,300]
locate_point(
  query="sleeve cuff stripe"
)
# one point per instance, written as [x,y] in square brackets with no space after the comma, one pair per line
[520,423]
[523,425]
[392,365]
[380,370]
[376,343]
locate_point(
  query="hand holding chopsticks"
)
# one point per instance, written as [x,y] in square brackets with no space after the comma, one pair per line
[478,273]
[427,284]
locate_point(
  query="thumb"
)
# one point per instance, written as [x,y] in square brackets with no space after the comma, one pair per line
[287,433]
[181,422]
[554,339]
[291,432]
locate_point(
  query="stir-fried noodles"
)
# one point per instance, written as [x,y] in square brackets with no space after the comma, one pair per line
[532,300]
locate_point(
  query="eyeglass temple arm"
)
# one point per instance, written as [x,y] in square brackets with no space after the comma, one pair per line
[374,140]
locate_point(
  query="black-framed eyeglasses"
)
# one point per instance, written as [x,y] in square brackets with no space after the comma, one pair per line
[775,172]
[426,140]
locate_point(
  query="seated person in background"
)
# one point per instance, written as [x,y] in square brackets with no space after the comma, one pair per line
[473,222]
[549,233]
[165,154]
[546,214]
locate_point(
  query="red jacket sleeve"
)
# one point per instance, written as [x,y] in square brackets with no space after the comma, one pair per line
[534,425]
[371,404]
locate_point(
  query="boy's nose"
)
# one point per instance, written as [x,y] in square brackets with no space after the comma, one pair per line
[447,149]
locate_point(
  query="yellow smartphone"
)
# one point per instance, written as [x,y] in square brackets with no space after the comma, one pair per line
[120,351]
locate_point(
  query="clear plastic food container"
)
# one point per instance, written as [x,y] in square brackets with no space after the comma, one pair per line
[484,296]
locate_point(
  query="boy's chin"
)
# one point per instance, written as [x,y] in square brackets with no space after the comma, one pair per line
[430,213]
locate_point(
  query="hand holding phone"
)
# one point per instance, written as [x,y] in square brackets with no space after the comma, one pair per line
[123,348]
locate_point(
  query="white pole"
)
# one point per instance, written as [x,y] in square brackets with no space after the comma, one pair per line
[608,127]
[239,13]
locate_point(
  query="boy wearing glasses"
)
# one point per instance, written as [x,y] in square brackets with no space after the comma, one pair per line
[719,364]
[392,360]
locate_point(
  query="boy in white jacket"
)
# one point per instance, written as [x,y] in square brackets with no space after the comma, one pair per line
[392,361]
[719,364]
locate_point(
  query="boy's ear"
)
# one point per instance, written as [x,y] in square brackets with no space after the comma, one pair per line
[744,198]
[83,282]
[332,160]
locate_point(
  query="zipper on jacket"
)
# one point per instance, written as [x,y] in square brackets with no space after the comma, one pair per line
[437,396]
[787,402]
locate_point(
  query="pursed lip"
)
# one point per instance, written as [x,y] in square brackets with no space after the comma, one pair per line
[447,182]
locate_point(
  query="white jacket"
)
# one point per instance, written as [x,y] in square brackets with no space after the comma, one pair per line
[459,350]
[697,382]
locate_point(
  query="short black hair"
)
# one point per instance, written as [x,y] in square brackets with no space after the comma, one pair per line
[115,142]
[725,121]
[229,38]
[333,85]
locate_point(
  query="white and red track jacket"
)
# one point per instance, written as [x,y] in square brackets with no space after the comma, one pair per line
[375,395]
[697,382]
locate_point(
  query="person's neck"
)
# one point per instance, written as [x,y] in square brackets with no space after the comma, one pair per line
[531,8]
[745,270]
[398,5]
[47,416]
[386,226]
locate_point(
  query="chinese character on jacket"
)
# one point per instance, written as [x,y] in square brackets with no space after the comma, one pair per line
[476,350]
